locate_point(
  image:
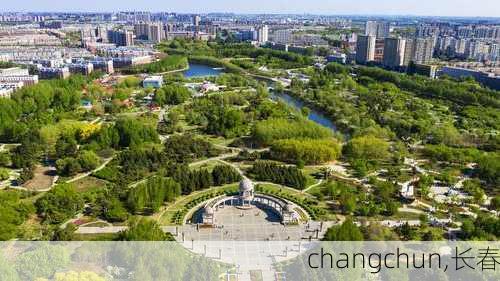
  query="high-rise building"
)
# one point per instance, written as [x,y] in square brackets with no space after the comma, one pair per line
[121,37]
[196,20]
[155,33]
[141,30]
[419,50]
[494,52]
[377,29]
[371,28]
[283,36]
[263,34]
[408,53]
[394,52]
[365,49]
[379,50]
[426,30]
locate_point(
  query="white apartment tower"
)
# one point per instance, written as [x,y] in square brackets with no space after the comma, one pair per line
[263,34]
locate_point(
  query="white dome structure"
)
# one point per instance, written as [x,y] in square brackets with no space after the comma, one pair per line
[246,192]
[208,215]
[246,185]
[208,210]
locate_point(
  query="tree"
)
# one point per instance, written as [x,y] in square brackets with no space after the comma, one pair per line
[286,175]
[142,229]
[407,232]
[4,174]
[68,167]
[27,173]
[473,187]
[111,209]
[224,174]
[368,148]
[59,204]
[88,160]
[489,168]
[377,232]
[308,151]
[5,159]
[134,132]
[268,131]
[495,203]
[171,95]
[13,213]
[64,234]
[152,194]
[75,276]
[66,146]
[42,261]
[347,231]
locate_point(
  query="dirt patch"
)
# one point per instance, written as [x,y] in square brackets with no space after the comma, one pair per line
[88,183]
[44,176]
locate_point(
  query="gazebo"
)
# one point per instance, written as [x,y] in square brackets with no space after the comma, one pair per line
[246,193]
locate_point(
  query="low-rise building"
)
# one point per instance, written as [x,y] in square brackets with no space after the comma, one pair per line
[129,61]
[484,78]
[54,72]
[6,89]
[153,82]
[14,71]
[103,65]
[27,80]
[338,58]
[81,68]
[425,70]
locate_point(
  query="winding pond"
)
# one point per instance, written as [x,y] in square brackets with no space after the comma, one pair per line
[201,70]
[314,115]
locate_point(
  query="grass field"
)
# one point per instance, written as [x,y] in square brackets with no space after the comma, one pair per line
[168,213]
[89,183]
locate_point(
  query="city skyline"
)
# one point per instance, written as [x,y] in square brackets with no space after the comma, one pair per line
[444,8]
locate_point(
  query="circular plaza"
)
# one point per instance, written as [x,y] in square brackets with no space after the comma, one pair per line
[247,215]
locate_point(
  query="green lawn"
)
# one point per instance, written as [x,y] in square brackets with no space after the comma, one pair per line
[172,209]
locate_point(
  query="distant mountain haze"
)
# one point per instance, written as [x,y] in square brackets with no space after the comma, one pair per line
[462,8]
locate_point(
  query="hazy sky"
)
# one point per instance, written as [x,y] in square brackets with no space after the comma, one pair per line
[489,8]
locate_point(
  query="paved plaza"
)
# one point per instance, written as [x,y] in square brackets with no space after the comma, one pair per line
[255,224]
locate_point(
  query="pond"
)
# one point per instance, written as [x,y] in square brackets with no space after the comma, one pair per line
[201,70]
[314,115]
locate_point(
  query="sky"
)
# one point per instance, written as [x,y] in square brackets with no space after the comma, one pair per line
[472,8]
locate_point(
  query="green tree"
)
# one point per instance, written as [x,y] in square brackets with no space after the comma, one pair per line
[88,160]
[59,204]
[347,231]
[142,229]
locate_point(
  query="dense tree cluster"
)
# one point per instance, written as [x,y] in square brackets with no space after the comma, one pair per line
[366,152]
[38,104]
[59,204]
[193,180]
[489,168]
[86,161]
[143,229]
[217,117]
[482,228]
[186,148]
[166,64]
[150,196]
[306,151]
[347,231]
[13,213]
[268,131]
[224,174]
[171,94]
[464,93]
[280,174]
